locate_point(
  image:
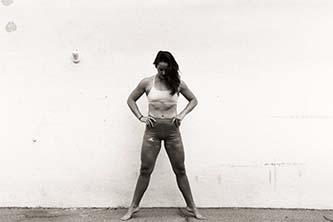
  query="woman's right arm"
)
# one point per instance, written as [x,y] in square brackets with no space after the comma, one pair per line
[133,97]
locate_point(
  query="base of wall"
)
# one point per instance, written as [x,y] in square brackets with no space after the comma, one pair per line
[25,214]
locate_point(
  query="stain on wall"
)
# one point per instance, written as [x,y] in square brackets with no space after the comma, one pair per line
[7,2]
[11,27]
[273,167]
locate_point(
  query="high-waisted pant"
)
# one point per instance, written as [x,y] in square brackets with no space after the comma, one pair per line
[167,131]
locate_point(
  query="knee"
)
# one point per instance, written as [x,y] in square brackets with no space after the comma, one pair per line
[179,170]
[146,170]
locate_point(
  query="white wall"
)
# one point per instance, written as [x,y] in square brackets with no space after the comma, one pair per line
[258,138]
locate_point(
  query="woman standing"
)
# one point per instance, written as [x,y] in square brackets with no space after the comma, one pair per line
[162,123]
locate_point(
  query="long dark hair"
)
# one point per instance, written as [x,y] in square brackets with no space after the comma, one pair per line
[172,77]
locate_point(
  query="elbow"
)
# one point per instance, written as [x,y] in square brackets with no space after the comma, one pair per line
[195,102]
[129,101]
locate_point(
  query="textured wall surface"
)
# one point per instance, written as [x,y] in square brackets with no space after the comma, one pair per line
[259,137]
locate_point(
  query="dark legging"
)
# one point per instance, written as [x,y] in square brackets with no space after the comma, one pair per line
[163,129]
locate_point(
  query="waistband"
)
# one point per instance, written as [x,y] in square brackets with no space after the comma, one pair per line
[162,119]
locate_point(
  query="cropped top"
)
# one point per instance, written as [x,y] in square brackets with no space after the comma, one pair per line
[156,95]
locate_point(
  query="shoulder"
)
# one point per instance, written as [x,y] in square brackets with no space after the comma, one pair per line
[182,85]
[145,81]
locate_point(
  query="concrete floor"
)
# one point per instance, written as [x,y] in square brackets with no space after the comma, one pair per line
[163,214]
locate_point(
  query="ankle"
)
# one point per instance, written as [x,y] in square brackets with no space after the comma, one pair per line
[193,208]
[133,206]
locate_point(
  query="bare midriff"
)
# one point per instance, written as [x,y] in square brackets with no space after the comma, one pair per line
[162,109]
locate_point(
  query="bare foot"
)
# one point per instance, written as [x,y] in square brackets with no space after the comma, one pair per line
[129,213]
[196,213]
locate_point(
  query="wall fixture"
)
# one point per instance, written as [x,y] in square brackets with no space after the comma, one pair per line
[76,56]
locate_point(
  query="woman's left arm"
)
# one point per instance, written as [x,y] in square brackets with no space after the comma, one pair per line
[188,94]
